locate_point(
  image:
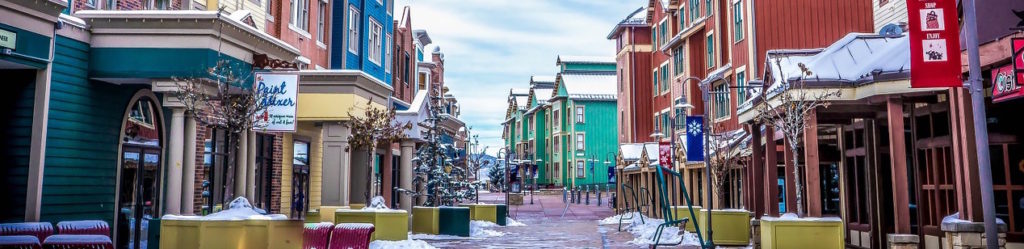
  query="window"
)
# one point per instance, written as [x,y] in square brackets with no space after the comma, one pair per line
[264,170]
[677,61]
[682,17]
[664,36]
[215,171]
[558,121]
[665,126]
[374,41]
[387,54]
[657,123]
[711,50]
[353,29]
[622,80]
[580,141]
[580,169]
[654,36]
[721,100]
[679,112]
[741,90]
[580,114]
[655,76]
[708,7]
[666,82]
[300,15]
[321,18]
[694,10]
[737,19]
[300,178]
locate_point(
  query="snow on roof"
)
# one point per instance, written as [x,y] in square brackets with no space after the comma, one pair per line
[632,152]
[542,78]
[543,94]
[599,86]
[519,91]
[856,58]
[637,18]
[521,101]
[585,59]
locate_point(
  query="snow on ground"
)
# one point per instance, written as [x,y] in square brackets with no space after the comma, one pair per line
[509,222]
[477,230]
[401,244]
[645,230]
[614,220]
[238,209]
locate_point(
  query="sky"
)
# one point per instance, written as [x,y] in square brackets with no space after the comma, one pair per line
[491,46]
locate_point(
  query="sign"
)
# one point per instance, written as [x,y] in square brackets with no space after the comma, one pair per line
[279,94]
[1018,59]
[934,44]
[665,154]
[1004,85]
[611,174]
[8,39]
[694,138]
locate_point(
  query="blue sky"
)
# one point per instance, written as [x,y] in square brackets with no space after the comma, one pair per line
[493,45]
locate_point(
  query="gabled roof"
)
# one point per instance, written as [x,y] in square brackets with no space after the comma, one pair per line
[856,58]
[422,37]
[585,59]
[587,86]
[635,19]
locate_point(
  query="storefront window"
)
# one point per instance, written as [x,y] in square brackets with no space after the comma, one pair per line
[215,190]
[300,179]
[264,170]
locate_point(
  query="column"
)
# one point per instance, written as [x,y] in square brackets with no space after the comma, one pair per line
[812,181]
[757,171]
[386,180]
[241,154]
[250,167]
[188,185]
[965,160]
[336,161]
[176,140]
[37,151]
[898,153]
[771,175]
[405,174]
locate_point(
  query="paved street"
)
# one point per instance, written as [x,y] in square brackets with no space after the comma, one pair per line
[545,228]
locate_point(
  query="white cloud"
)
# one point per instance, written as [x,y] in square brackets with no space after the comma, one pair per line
[491,46]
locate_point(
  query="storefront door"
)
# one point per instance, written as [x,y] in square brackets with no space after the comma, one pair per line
[139,175]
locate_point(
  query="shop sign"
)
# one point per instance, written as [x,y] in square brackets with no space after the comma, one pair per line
[279,95]
[934,43]
[1004,85]
[665,154]
[8,39]
[1018,59]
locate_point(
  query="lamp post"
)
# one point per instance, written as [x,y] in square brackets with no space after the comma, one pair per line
[504,151]
[537,164]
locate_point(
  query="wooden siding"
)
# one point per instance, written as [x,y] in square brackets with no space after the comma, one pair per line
[894,11]
[82,139]
[18,97]
[807,23]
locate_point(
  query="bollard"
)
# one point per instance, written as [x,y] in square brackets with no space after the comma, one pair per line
[564,195]
[588,197]
[598,198]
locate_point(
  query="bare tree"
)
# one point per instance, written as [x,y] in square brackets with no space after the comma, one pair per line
[224,99]
[373,127]
[789,114]
[724,159]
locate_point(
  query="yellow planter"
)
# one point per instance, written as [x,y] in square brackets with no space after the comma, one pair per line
[684,212]
[388,225]
[326,214]
[312,217]
[820,233]
[425,220]
[357,205]
[731,227]
[259,234]
[485,212]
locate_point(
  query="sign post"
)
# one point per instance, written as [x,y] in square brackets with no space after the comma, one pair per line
[934,43]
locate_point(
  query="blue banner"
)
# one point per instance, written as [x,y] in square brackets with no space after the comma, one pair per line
[694,138]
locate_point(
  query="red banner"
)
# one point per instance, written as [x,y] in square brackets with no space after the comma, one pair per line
[1003,86]
[934,43]
[1018,59]
[665,154]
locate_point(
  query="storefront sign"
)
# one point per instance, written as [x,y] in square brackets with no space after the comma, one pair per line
[8,39]
[1004,85]
[934,44]
[280,91]
[694,138]
[665,154]
[1018,59]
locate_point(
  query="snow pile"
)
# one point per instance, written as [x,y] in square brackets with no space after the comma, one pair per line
[955,218]
[644,232]
[401,244]
[477,229]
[614,220]
[509,222]
[238,209]
[377,202]
[794,217]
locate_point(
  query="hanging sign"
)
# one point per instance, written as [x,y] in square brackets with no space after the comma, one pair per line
[694,138]
[8,39]
[934,44]
[1004,85]
[280,92]
[1018,59]
[665,154]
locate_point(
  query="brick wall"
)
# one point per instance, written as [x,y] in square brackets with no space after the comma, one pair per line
[275,182]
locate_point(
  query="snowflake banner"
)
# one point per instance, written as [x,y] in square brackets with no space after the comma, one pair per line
[694,138]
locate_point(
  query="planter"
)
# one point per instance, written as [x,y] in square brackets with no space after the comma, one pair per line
[388,224]
[801,233]
[211,234]
[454,221]
[484,212]
[730,227]
[324,214]
[501,215]
[356,206]
[684,212]
[425,220]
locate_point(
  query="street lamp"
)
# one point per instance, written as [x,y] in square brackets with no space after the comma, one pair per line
[505,151]
[537,166]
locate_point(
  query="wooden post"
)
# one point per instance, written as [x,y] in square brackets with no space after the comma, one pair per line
[757,167]
[968,195]
[811,176]
[898,155]
[771,172]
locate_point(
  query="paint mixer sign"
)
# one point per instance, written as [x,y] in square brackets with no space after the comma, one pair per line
[278,95]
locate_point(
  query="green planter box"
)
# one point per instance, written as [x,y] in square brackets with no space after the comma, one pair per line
[501,215]
[388,224]
[823,233]
[731,227]
[454,221]
[684,212]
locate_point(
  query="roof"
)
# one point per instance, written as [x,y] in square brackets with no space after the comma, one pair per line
[877,58]
[591,86]
[542,78]
[631,152]
[585,59]
[636,19]
[422,37]
[543,95]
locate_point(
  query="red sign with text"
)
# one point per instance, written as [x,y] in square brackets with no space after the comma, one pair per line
[1018,59]
[1003,86]
[665,154]
[934,43]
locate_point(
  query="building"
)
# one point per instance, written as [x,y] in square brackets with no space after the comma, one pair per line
[585,90]
[633,58]
[541,90]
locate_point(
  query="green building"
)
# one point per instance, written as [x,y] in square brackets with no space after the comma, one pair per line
[583,122]
[536,115]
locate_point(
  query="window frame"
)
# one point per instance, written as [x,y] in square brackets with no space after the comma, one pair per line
[581,114]
[580,141]
[321,23]
[737,19]
[722,108]
[741,84]
[387,53]
[581,168]
[710,47]
[354,18]
[373,39]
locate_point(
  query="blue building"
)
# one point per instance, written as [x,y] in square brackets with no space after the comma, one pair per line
[362,35]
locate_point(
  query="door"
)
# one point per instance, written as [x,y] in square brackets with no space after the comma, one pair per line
[139,188]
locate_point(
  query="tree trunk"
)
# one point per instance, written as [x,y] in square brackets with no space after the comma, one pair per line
[229,171]
[796,180]
[369,172]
